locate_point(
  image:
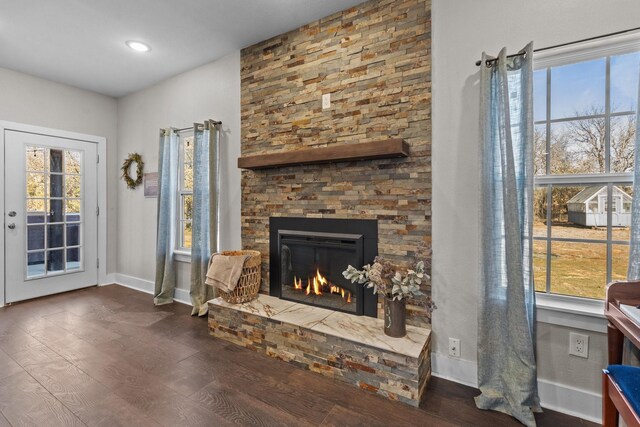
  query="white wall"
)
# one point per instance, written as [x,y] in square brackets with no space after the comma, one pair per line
[461,31]
[208,92]
[34,101]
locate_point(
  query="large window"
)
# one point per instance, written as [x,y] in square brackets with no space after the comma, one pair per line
[185,193]
[585,123]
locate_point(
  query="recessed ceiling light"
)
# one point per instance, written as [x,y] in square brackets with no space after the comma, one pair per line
[138,46]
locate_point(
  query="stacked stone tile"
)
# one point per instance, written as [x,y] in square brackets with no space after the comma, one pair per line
[374,60]
[399,375]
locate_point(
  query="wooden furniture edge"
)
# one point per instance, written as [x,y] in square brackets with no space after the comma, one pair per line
[389,148]
[620,325]
[614,402]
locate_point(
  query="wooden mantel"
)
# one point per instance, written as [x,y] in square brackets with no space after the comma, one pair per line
[334,153]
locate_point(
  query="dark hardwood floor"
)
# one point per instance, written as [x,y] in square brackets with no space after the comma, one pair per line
[106,356]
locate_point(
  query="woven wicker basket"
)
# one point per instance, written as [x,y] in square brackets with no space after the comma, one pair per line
[249,282]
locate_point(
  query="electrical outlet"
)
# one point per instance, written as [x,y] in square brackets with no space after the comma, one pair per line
[454,347]
[579,345]
[326,101]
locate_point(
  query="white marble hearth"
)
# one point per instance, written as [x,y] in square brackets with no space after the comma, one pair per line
[361,329]
[342,346]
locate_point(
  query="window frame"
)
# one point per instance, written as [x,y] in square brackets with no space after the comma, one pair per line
[183,252]
[597,49]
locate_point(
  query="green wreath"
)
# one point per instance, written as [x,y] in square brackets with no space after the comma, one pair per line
[133,183]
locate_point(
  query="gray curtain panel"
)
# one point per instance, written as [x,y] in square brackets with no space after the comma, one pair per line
[204,215]
[507,374]
[634,245]
[631,354]
[167,182]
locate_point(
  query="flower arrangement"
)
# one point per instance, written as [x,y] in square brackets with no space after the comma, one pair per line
[387,279]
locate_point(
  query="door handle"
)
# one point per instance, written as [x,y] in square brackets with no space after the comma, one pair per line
[11,226]
[12,213]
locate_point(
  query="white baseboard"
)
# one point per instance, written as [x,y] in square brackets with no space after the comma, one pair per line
[109,279]
[557,397]
[147,286]
[142,285]
[458,370]
[571,401]
[182,296]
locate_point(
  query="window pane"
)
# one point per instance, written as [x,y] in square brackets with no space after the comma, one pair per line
[619,262]
[187,206]
[55,161]
[35,159]
[36,185]
[35,264]
[73,209]
[578,269]
[624,81]
[623,138]
[621,208]
[540,212]
[540,144]
[73,234]
[578,89]
[36,210]
[55,260]
[73,186]
[35,237]
[73,259]
[187,176]
[573,215]
[540,95]
[186,234]
[578,146]
[55,236]
[540,265]
[56,188]
[72,161]
[56,211]
[187,167]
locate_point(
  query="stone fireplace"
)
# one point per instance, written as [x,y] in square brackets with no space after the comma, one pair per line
[308,256]
[315,179]
[374,61]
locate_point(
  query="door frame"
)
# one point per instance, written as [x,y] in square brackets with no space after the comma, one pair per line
[102,191]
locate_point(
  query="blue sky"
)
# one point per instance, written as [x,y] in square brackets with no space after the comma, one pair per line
[576,87]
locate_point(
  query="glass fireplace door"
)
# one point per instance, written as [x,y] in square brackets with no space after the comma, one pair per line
[311,266]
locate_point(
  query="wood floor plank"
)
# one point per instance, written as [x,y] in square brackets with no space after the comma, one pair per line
[243,409]
[113,411]
[340,416]
[67,383]
[8,366]
[83,327]
[23,401]
[3,421]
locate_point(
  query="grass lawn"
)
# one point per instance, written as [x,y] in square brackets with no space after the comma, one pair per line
[577,268]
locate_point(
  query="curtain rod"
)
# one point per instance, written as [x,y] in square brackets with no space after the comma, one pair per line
[215,122]
[490,61]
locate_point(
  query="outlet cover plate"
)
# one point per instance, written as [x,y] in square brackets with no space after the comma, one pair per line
[454,347]
[579,345]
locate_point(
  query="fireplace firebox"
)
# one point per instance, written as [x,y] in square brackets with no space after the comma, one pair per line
[308,256]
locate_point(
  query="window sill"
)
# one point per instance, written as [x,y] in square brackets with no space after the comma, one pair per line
[182,256]
[572,312]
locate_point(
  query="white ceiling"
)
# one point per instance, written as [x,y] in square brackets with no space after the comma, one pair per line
[82,42]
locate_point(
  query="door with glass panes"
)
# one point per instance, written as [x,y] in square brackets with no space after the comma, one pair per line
[50,215]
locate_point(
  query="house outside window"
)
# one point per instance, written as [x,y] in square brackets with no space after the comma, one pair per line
[585,101]
[184,193]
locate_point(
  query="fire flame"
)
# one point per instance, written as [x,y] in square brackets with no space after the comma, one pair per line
[317,284]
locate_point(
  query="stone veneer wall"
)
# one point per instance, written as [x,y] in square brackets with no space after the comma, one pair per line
[375,61]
